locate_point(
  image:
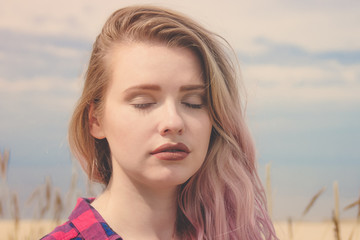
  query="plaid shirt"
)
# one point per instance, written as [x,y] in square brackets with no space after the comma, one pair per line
[84,223]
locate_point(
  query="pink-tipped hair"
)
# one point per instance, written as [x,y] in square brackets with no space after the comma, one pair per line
[225,199]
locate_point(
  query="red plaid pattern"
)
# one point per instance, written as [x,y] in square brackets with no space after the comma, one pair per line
[84,223]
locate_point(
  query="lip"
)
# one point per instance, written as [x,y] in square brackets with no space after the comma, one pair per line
[171,151]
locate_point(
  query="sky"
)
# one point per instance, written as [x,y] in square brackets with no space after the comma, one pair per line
[300,62]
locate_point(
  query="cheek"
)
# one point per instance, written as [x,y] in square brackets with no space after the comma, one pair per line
[204,131]
[124,139]
[126,127]
[115,125]
[206,125]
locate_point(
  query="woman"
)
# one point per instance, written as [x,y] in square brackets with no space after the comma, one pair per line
[160,123]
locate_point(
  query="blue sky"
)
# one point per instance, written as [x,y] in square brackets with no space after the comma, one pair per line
[300,62]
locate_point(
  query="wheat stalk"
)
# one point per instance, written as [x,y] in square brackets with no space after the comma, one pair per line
[71,192]
[290,228]
[358,215]
[34,194]
[4,161]
[336,218]
[313,200]
[351,205]
[58,206]
[336,223]
[48,190]
[1,208]
[15,211]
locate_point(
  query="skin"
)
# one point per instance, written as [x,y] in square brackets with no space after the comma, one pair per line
[155,96]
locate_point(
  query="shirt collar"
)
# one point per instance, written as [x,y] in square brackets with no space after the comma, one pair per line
[90,223]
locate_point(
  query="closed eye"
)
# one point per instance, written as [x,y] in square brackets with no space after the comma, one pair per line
[142,105]
[194,106]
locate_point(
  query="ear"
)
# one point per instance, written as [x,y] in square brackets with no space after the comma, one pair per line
[96,129]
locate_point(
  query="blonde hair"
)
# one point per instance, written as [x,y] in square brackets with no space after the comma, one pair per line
[224,199]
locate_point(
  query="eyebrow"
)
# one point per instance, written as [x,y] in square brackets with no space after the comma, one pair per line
[158,88]
[192,87]
[144,87]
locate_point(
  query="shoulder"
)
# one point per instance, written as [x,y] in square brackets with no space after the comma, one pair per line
[65,231]
[84,223]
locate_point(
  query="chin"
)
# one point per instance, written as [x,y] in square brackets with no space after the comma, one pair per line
[170,180]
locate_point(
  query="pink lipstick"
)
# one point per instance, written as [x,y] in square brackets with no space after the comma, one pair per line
[171,151]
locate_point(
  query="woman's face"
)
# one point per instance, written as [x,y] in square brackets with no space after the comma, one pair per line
[155,117]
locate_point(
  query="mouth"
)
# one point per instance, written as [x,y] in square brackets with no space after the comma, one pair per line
[171,151]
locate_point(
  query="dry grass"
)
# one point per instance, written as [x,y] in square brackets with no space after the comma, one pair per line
[304,230]
[357,222]
[336,212]
[313,200]
[46,201]
[4,161]
[49,206]
[27,229]
[33,229]
[290,229]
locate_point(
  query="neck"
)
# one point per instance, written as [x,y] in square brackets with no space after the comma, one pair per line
[135,211]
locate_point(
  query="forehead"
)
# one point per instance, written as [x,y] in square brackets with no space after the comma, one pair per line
[143,62]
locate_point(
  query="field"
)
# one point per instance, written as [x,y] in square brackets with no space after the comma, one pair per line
[49,205]
[30,230]
[317,230]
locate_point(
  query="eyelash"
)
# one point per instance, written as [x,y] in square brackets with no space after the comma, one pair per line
[143,105]
[147,105]
[194,106]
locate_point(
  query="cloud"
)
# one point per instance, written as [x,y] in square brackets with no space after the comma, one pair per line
[291,54]
[290,74]
[29,55]
[315,25]
[37,85]
[327,82]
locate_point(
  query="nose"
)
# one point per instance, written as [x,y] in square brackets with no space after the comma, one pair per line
[171,121]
